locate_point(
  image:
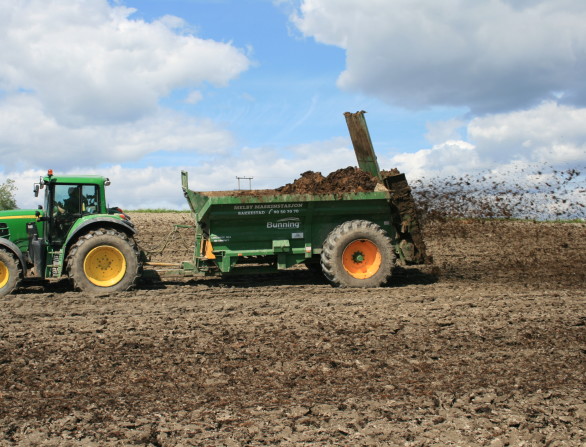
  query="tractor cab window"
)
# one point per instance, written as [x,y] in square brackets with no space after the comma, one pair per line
[67,200]
[89,204]
[75,200]
[70,202]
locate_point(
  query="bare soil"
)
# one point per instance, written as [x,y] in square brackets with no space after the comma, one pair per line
[486,347]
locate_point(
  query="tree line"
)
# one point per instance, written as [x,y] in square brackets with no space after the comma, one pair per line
[7,200]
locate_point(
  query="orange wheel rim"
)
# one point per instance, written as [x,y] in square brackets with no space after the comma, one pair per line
[361,259]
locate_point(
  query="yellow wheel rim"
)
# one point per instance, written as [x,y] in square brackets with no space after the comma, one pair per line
[104,266]
[361,259]
[4,274]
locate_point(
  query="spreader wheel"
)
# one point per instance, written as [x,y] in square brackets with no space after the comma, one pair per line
[357,253]
[103,260]
[10,272]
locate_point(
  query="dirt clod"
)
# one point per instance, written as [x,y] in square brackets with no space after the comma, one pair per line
[345,180]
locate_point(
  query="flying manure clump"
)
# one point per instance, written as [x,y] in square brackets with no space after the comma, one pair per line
[536,193]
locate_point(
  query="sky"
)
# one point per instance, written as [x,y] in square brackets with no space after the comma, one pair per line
[138,90]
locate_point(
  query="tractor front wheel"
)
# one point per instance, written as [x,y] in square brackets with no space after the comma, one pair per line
[357,253]
[10,272]
[103,260]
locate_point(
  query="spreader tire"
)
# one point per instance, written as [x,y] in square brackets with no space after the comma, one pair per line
[10,272]
[357,253]
[103,260]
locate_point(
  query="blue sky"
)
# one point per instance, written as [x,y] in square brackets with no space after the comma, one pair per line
[289,95]
[137,90]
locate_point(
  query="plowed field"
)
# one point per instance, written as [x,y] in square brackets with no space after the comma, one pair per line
[487,347]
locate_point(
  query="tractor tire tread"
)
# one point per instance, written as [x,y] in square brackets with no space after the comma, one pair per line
[15,270]
[74,264]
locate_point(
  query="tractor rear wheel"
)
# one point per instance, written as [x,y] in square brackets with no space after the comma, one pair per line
[103,260]
[358,253]
[10,272]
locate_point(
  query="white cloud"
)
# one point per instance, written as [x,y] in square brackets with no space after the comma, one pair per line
[548,134]
[488,55]
[517,66]
[449,158]
[81,82]
[91,63]
[160,187]
[31,138]
[497,143]
[441,131]
[194,97]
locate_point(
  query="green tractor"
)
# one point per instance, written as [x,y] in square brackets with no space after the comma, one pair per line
[73,234]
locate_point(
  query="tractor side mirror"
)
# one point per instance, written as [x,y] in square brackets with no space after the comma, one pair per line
[36,188]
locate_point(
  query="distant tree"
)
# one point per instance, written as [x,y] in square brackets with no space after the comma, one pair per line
[7,200]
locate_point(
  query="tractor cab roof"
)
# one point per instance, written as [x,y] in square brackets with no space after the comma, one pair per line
[75,179]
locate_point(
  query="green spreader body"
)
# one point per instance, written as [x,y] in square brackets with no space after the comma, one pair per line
[254,231]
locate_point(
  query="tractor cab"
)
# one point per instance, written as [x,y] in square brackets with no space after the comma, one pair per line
[68,199]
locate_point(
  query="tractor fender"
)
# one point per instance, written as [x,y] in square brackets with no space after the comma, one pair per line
[110,222]
[13,248]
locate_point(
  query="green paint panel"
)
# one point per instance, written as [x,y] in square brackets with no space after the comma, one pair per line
[291,228]
[13,226]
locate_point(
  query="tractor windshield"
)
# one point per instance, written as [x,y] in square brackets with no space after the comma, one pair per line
[75,199]
[66,204]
